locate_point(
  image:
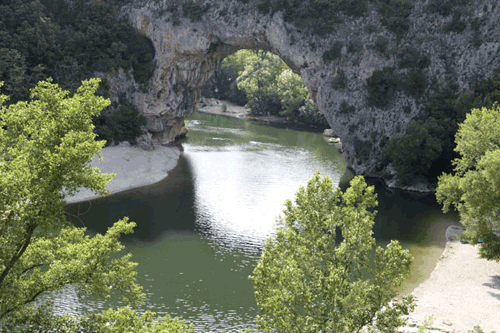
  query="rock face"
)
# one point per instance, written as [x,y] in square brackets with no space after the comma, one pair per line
[192,37]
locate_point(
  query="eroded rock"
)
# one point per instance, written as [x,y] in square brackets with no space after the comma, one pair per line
[190,47]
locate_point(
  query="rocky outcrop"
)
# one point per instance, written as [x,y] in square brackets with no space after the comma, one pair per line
[192,37]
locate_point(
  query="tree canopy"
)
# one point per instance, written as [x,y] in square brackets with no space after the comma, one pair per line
[307,280]
[46,145]
[474,188]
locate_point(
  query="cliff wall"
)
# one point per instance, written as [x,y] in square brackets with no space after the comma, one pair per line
[370,77]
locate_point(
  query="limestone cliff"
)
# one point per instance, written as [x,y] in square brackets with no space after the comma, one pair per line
[191,37]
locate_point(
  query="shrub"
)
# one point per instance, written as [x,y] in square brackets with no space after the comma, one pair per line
[411,57]
[371,28]
[363,149]
[119,123]
[395,15]
[440,7]
[355,45]
[381,87]
[415,83]
[456,25]
[334,52]
[345,108]
[381,44]
[414,154]
[194,11]
[263,104]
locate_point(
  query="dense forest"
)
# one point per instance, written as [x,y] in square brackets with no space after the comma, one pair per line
[68,42]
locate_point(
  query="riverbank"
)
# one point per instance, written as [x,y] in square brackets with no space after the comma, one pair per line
[214,106]
[134,167]
[463,291]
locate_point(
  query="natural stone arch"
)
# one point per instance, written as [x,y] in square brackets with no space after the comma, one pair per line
[190,46]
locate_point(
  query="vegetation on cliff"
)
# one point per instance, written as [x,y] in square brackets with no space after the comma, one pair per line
[69,42]
[428,147]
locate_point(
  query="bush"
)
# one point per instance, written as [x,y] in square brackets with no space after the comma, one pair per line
[345,108]
[411,57]
[382,87]
[395,15]
[415,83]
[263,104]
[381,44]
[355,45]
[119,123]
[414,154]
[456,25]
[334,52]
[194,11]
[363,149]
[441,7]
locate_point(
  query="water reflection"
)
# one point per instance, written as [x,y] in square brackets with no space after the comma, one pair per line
[164,206]
[200,231]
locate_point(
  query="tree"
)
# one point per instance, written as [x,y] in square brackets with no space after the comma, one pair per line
[307,280]
[474,189]
[46,145]
[258,80]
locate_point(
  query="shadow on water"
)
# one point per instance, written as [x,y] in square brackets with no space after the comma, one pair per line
[165,206]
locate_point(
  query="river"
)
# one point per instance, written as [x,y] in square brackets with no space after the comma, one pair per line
[200,231]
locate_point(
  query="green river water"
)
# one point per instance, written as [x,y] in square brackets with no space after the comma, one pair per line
[200,231]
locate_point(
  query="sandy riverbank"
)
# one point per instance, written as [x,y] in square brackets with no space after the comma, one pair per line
[463,291]
[214,106]
[134,167]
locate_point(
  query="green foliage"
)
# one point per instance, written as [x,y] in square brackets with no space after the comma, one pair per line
[395,15]
[258,80]
[381,44]
[381,87]
[415,83]
[292,92]
[112,321]
[441,7]
[334,52]
[306,281]
[267,86]
[315,16]
[119,123]
[345,108]
[51,38]
[363,149]
[474,189]
[456,24]
[194,11]
[411,57]
[223,85]
[355,45]
[435,129]
[46,145]
[414,154]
